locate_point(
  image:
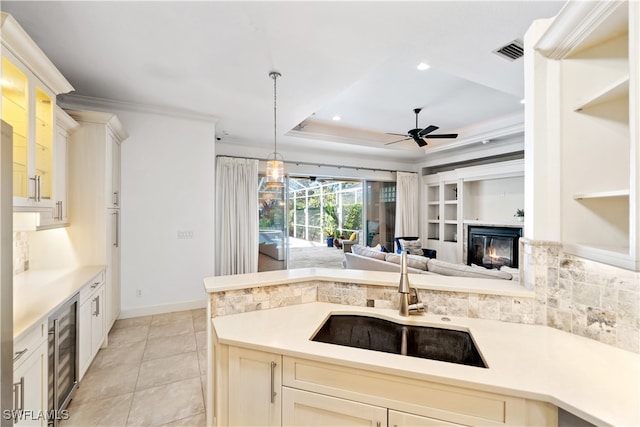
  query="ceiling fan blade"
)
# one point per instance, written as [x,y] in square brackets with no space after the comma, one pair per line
[421,142]
[398,134]
[428,130]
[442,136]
[393,142]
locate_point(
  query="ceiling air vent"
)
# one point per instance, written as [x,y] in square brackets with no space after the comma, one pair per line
[511,51]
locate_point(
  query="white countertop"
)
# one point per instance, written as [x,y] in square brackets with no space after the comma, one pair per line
[382,278]
[36,293]
[595,381]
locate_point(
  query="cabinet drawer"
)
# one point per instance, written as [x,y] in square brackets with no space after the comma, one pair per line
[28,341]
[454,404]
[90,287]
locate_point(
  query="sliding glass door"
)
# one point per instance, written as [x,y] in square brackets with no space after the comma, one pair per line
[272,242]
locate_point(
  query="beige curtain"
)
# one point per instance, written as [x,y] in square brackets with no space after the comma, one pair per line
[237,219]
[407,204]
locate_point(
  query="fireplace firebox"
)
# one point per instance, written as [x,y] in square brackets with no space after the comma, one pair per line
[493,247]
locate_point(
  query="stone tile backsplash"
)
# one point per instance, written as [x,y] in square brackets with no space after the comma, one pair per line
[584,297]
[507,309]
[572,294]
[20,252]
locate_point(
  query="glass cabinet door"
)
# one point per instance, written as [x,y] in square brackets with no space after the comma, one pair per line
[44,145]
[15,110]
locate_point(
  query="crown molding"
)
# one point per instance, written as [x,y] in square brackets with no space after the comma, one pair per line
[75,101]
[65,120]
[16,40]
[577,22]
[513,130]
[108,119]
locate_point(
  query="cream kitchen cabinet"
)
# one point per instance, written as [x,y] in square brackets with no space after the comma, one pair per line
[94,197]
[91,323]
[255,383]
[301,408]
[250,386]
[30,83]
[30,376]
[59,215]
[402,419]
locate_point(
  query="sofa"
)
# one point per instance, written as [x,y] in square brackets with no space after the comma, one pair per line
[365,258]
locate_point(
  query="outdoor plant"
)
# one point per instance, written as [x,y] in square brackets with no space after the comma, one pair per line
[519,213]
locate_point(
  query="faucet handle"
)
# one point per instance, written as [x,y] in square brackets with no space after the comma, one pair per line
[419,307]
[413,296]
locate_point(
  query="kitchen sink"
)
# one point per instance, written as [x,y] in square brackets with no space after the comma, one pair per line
[372,333]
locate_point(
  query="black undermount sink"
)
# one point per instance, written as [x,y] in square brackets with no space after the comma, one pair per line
[371,333]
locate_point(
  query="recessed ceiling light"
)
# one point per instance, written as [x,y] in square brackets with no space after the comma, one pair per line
[486,141]
[522,101]
[423,66]
[336,118]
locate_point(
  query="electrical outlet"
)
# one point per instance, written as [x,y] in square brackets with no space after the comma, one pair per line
[138,292]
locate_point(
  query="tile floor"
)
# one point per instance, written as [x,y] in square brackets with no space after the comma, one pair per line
[151,374]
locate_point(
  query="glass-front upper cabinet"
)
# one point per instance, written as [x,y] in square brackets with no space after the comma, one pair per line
[44,145]
[28,108]
[29,85]
[15,111]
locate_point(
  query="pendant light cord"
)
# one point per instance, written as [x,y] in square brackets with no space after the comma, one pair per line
[274,75]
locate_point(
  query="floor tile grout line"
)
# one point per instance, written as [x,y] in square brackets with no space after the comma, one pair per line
[135,386]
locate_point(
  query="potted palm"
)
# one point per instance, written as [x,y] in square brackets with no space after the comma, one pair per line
[329,230]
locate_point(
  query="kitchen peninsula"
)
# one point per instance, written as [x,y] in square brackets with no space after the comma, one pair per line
[532,369]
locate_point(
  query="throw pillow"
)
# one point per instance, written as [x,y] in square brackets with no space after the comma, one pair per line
[353,236]
[413,247]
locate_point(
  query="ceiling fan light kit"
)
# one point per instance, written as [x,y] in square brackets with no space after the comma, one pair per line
[419,135]
[275,161]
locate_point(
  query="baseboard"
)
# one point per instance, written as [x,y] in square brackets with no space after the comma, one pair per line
[127,313]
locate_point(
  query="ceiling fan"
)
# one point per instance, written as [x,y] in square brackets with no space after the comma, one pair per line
[418,134]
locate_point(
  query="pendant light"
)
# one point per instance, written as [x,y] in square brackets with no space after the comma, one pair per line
[275,161]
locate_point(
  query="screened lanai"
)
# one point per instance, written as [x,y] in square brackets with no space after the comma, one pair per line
[309,213]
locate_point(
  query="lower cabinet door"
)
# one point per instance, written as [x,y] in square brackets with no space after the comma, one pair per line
[303,408]
[255,383]
[30,389]
[402,419]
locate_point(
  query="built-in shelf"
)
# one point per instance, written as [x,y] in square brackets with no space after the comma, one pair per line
[451,221]
[434,221]
[436,203]
[613,255]
[617,89]
[602,194]
[450,202]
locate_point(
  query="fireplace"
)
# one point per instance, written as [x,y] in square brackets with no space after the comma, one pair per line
[493,247]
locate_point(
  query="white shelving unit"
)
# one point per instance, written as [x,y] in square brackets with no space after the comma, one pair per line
[487,194]
[588,59]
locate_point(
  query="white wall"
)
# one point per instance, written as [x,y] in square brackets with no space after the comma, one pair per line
[494,200]
[167,186]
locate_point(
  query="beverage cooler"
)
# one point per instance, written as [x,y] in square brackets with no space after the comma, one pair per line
[63,356]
